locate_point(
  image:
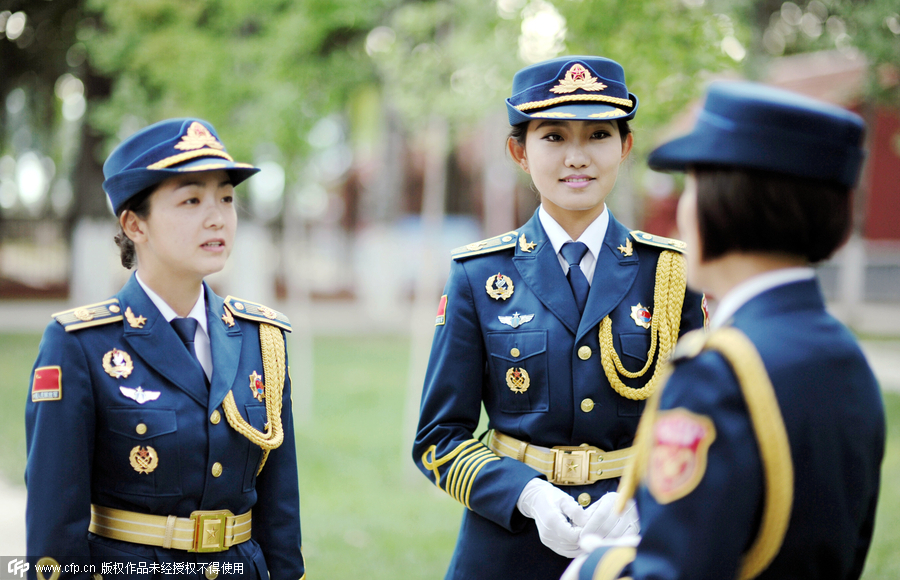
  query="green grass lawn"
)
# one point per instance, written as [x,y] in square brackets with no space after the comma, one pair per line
[365,515]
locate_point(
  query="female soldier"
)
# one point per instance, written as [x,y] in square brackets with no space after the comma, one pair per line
[159,427]
[761,456]
[561,366]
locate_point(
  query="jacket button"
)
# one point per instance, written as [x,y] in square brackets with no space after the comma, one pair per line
[140,429]
[587,405]
[217,469]
[514,353]
[212,572]
[97,576]
[584,352]
[584,499]
[215,417]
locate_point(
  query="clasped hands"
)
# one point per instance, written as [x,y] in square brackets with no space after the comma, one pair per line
[562,522]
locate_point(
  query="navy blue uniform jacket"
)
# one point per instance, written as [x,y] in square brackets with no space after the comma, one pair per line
[835,426]
[78,446]
[473,350]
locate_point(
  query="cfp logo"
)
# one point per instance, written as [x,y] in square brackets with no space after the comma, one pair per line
[16,568]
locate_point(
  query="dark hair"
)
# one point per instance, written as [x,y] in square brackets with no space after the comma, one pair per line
[750,210]
[139,204]
[518,132]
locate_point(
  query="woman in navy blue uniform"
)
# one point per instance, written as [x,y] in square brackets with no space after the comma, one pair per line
[557,330]
[760,458]
[159,426]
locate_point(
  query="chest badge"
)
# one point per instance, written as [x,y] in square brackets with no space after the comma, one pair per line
[517,380]
[525,245]
[117,364]
[499,287]
[139,395]
[516,320]
[257,387]
[641,315]
[627,249]
[143,459]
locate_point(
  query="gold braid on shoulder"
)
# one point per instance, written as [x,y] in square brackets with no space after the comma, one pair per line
[668,298]
[274,362]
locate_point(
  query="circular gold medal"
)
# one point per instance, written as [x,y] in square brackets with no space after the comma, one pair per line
[117,364]
[517,380]
[144,459]
[499,287]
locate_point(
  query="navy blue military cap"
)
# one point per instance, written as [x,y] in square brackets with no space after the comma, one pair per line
[162,150]
[574,88]
[750,125]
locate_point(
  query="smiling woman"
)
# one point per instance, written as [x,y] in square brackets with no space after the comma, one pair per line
[129,459]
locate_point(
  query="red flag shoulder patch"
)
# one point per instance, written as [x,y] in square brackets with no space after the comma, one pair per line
[47,385]
[442,311]
[681,440]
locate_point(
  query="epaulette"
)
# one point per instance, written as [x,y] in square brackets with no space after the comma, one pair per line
[90,315]
[689,345]
[658,241]
[257,312]
[501,242]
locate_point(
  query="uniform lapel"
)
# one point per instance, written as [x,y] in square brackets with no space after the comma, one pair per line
[157,344]
[613,276]
[540,269]
[225,344]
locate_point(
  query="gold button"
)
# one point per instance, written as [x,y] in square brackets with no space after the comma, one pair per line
[515,352]
[115,310]
[587,405]
[584,352]
[97,576]
[140,428]
[506,239]
[584,499]
[238,305]
[217,469]
[212,572]
[215,417]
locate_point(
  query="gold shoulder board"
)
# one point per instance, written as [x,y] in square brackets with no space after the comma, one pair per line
[90,315]
[501,242]
[257,312]
[659,241]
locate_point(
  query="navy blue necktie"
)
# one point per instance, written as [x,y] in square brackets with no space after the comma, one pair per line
[572,253]
[186,328]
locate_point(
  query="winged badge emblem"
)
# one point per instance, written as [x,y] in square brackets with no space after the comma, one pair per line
[516,320]
[139,394]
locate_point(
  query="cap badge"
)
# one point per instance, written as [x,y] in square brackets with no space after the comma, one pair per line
[144,459]
[134,321]
[517,380]
[198,137]
[641,315]
[516,320]
[525,245]
[627,249]
[117,364]
[139,395]
[577,77]
[257,386]
[499,287]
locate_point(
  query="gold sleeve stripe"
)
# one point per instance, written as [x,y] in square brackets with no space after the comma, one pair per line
[433,463]
[613,562]
[481,464]
[461,469]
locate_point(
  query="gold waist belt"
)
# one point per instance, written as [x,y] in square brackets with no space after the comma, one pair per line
[204,531]
[563,465]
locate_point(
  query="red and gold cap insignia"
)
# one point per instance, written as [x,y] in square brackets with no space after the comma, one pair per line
[577,77]
[198,137]
[681,440]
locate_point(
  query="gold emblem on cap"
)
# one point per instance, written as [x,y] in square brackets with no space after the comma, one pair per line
[117,364]
[627,249]
[198,137]
[134,321]
[499,287]
[577,77]
[525,245]
[143,459]
[227,318]
[517,380]
[83,314]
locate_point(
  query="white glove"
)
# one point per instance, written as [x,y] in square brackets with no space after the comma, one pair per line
[593,542]
[559,518]
[606,523]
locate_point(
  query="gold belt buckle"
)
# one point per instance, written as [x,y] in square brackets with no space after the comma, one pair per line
[572,465]
[209,530]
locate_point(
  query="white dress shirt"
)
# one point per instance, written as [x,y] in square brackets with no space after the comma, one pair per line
[592,237]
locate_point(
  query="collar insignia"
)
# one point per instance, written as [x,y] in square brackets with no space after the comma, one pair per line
[134,321]
[198,137]
[627,249]
[516,320]
[227,318]
[577,77]
[139,394]
[525,245]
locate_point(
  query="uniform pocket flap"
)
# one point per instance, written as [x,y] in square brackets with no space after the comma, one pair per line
[635,344]
[517,345]
[142,424]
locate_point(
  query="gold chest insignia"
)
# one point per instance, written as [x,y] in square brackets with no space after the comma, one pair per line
[117,364]
[499,287]
[517,380]
[524,245]
[641,315]
[143,459]
[257,387]
[198,137]
[627,249]
[227,318]
[134,321]
[577,77]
